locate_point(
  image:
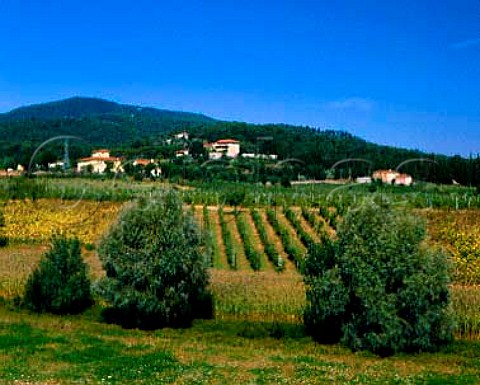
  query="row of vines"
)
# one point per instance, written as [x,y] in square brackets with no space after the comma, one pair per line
[269,239]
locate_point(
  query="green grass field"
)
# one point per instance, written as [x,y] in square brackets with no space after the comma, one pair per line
[81,350]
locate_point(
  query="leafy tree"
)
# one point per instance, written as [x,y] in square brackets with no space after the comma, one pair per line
[156,272]
[377,287]
[60,283]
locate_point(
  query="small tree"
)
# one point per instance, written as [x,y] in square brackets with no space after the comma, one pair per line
[377,287]
[60,284]
[3,236]
[156,272]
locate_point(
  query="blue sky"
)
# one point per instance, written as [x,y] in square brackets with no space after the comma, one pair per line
[404,73]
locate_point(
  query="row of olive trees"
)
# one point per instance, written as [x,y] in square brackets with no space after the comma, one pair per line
[156,271]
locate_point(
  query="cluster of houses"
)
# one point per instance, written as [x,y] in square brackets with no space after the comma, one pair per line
[229,148]
[101,161]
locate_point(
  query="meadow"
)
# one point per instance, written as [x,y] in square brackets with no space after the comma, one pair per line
[256,337]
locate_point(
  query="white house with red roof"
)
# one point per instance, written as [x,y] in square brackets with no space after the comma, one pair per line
[223,147]
[393,177]
[99,162]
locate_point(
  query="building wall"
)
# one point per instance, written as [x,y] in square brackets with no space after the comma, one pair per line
[233,149]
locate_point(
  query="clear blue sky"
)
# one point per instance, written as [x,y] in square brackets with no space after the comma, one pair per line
[404,73]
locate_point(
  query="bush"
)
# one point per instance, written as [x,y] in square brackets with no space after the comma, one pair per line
[377,287]
[60,283]
[3,237]
[156,272]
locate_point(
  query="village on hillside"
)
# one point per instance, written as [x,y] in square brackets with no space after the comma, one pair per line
[101,162]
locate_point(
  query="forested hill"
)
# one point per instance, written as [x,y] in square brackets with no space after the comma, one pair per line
[80,107]
[140,131]
[97,121]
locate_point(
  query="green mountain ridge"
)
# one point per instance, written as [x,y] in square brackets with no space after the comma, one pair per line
[78,107]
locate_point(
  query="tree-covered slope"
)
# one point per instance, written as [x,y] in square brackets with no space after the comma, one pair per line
[99,123]
[79,107]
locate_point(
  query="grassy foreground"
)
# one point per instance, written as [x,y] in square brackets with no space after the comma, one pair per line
[81,350]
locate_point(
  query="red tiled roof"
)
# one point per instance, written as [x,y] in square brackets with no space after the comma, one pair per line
[142,162]
[110,158]
[227,141]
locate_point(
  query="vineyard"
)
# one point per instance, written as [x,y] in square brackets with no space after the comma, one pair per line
[256,254]
[260,239]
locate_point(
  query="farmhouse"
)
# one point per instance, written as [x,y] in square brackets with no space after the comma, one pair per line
[403,180]
[11,172]
[392,177]
[223,147]
[155,171]
[181,135]
[99,162]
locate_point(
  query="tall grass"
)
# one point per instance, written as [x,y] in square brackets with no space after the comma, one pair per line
[466,308]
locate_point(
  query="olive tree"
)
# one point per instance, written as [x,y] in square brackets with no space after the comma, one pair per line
[156,269]
[377,286]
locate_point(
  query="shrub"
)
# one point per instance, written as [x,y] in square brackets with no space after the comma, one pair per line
[3,236]
[60,283]
[156,272]
[377,287]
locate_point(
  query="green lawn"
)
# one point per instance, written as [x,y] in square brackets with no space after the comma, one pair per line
[81,350]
